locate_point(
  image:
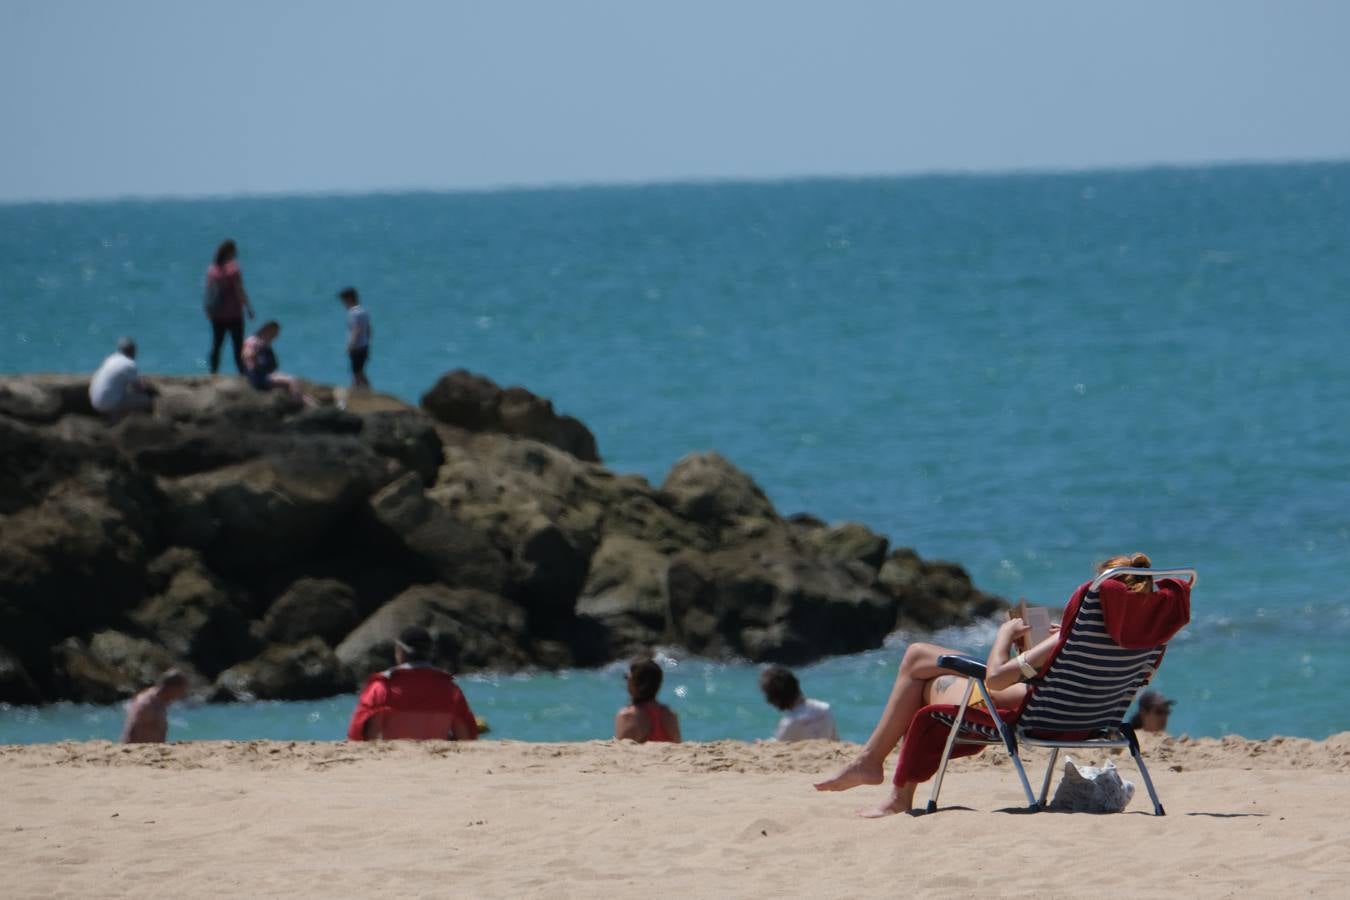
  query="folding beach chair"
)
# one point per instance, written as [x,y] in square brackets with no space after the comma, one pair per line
[1079,699]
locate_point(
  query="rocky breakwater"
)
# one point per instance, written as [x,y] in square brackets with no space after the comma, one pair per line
[273,551]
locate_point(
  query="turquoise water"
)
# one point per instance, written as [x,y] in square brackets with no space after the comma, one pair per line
[1023,373]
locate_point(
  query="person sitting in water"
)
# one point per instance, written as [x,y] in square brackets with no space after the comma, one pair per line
[1153,711]
[920,682]
[117,388]
[148,712]
[645,720]
[803,719]
[261,364]
[414,700]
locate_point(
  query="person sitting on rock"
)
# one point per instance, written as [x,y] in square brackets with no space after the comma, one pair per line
[645,720]
[803,719]
[148,712]
[260,362]
[117,388]
[414,700]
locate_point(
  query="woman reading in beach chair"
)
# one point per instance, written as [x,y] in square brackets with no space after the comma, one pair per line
[921,682]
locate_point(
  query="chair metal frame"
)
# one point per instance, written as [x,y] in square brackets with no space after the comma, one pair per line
[1122,736]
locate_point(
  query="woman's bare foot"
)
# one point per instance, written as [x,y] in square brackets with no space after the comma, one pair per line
[900,801]
[861,771]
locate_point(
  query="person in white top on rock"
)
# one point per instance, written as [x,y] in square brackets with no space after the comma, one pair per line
[117,388]
[358,336]
[803,719]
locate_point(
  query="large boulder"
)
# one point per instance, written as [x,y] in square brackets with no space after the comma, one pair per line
[311,607]
[408,437]
[276,508]
[474,403]
[16,685]
[707,488]
[74,562]
[473,630]
[41,399]
[138,660]
[80,675]
[625,593]
[460,555]
[848,542]
[196,619]
[772,600]
[166,447]
[305,670]
[933,594]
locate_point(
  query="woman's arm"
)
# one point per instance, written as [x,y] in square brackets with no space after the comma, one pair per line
[1002,666]
[626,725]
[673,727]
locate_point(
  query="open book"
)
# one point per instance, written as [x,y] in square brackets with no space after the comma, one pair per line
[1038,617]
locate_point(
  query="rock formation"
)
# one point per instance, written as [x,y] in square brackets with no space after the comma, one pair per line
[273,551]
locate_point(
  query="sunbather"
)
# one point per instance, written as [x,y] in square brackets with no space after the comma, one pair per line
[920,683]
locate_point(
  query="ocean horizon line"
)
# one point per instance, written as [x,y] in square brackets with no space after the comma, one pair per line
[692,181]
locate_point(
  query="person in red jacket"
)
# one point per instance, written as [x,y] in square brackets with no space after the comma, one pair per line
[414,700]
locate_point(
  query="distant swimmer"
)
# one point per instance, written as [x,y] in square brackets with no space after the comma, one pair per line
[148,712]
[645,720]
[803,719]
[414,700]
[358,336]
[226,302]
[117,388]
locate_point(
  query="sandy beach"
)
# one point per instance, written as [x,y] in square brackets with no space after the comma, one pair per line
[726,819]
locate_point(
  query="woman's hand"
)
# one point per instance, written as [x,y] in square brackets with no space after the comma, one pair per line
[1012,630]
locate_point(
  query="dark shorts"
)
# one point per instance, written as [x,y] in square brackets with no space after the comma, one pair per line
[359,357]
[260,380]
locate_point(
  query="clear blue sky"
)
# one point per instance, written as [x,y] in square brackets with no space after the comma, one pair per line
[168,97]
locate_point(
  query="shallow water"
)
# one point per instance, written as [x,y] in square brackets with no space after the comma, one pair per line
[1022,373]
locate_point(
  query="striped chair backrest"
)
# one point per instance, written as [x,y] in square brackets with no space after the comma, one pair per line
[1092,681]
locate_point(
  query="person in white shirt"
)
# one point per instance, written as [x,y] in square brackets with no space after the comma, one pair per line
[803,719]
[117,388]
[358,336]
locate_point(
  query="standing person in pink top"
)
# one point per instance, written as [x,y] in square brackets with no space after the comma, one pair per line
[226,302]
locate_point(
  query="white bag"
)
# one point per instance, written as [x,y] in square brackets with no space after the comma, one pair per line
[1089,789]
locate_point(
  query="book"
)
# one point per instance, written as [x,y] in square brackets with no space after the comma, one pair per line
[1038,617]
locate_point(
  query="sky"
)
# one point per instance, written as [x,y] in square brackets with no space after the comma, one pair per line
[185,97]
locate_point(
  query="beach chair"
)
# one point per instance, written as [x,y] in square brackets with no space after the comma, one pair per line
[1078,701]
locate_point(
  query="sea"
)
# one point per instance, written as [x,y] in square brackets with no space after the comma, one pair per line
[1023,373]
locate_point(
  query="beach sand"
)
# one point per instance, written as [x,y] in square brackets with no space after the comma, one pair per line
[725,819]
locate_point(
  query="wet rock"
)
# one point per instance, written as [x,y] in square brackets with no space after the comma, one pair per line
[625,593]
[304,670]
[196,619]
[475,403]
[707,488]
[472,629]
[17,687]
[460,556]
[311,607]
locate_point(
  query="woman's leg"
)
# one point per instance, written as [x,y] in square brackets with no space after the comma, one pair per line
[217,338]
[236,342]
[918,667]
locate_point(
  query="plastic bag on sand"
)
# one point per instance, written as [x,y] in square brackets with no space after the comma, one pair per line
[1095,790]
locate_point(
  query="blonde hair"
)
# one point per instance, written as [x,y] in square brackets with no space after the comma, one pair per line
[1138,583]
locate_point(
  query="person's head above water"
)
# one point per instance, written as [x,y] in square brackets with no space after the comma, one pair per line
[644,679]
[269,330]
[780,687]
[1139,583]
[226,252]
[127,347]
[414,644]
